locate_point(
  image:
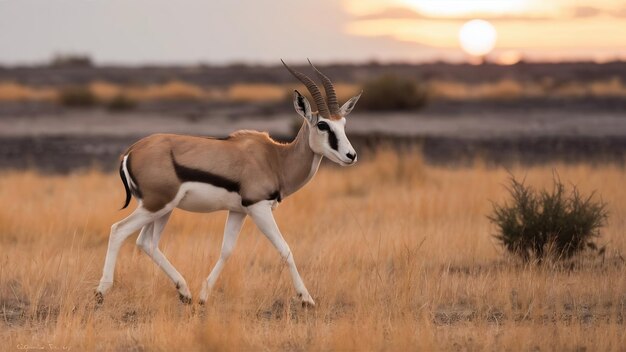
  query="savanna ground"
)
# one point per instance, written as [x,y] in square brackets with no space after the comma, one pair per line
[399,255]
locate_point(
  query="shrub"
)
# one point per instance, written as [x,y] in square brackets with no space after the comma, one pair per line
[556,222]
[71,60]
[121,102]
[77,96]
[389,93]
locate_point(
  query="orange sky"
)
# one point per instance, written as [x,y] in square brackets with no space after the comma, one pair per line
[536,29]
[252,31]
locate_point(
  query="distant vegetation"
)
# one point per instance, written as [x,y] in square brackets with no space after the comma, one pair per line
[77,96]
[537,223]
[508,89]
[382,94]
[71,60]
[121,102]
[386,87]
[392,93]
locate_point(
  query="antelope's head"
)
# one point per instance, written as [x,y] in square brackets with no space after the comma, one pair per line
[327,135]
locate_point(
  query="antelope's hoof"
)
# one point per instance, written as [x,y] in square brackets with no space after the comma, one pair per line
[307,301]
[308,304]
[99,297]
[184,299]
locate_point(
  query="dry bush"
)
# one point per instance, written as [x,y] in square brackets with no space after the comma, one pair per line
[406,262]
[393,93]
[570,90]
[557,223]
[120,102]
[77,97]
[71,61]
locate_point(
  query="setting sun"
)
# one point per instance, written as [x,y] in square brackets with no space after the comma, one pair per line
[477,37]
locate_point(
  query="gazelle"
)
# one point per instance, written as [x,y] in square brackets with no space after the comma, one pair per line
[246,173]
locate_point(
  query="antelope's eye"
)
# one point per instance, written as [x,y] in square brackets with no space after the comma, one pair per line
[323,126]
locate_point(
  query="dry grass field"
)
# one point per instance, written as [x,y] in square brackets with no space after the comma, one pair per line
[504,89]
[399,255]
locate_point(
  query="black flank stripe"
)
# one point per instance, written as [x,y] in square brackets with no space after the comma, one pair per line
[274,196]
[220,138]
[188,174]
[332,140]
[247,202]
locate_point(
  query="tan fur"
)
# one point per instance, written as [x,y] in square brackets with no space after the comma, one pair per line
[335,117]
[259,164]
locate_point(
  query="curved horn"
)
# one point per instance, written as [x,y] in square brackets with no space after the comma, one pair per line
[331,96]
[313,89]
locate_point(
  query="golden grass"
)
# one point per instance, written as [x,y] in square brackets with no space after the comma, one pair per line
[505,89]
[173,90]
[11,91]
[249,92]
[397,254]
[509,89]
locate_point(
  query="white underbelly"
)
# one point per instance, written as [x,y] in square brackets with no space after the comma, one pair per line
[205,198]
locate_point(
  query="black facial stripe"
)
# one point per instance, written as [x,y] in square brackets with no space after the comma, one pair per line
[187,174]
[332,140]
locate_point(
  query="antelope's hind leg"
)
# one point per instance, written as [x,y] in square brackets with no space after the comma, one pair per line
[148,241]
[120,231]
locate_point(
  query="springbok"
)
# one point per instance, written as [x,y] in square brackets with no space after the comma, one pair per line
[246,173]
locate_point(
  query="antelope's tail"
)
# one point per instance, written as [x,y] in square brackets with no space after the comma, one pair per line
[123,172]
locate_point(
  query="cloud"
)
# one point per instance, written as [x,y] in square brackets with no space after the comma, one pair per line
[590,11]
[394,13]
[619,13]
[403,13]
[585,11]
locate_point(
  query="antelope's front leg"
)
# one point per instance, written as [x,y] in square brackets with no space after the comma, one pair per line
[231,232]
[262,216]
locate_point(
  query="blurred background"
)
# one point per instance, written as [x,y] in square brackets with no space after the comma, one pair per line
[504,82]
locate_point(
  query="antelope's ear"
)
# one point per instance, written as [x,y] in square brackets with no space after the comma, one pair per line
[349,105]
[303,108]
